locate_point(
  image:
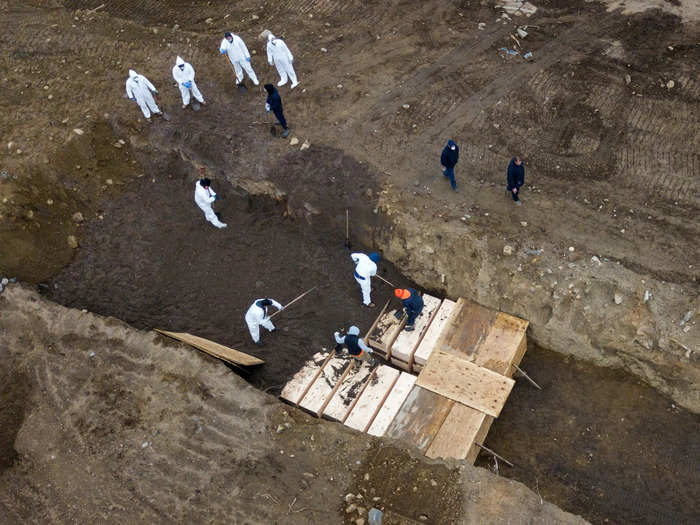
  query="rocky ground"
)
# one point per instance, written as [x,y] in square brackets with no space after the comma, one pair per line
[602,257]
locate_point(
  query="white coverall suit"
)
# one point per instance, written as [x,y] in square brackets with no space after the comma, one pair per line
[257,315]
[204,197]
[139,88]
[278,54]
[184,76]
[239,56]
[365,268]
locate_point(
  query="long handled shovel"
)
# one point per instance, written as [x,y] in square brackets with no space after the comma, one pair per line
[239,85]
[293,301]
[347,229]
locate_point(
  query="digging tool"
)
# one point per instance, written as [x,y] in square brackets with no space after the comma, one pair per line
[347,229]
[387,282]
[239,85]
[163,114]
[487,449]
[292,302]
[526,376]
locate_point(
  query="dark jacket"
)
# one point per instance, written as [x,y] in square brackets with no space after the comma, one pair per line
[273,98]
[516,175]
[450,157]
[413,304]
[352,344]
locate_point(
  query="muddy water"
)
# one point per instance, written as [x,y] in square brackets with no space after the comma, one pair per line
[599,443]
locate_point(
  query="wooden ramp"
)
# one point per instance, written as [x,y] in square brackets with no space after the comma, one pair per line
[465,355]
[210,347]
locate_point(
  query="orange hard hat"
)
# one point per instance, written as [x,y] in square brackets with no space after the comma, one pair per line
[402,293]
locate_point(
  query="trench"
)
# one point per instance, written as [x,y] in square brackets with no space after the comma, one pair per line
[595,441]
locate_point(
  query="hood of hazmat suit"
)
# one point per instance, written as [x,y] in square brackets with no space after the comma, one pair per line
[354,330]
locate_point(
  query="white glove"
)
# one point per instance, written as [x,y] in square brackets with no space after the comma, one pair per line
[267,106]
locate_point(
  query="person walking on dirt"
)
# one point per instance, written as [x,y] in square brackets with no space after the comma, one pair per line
[279,54]
[356,347]
[183,73]
[412,304]
[204,196]
[516,178]
[449,159]
[365,268]
[140,90]
[274,103]
[257,315]
[237,52]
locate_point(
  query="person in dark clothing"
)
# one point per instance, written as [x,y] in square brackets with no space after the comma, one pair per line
[449,159]
[356,346]
[412,305]
[274,103]
[516,178]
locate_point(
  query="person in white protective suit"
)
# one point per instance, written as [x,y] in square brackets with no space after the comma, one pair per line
[140,90]
[278,54]
[257,315]
[183,73]
[365,268]
[237,52]
[204,196]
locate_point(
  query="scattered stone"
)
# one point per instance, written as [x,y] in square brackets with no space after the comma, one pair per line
[72,241]
[78,217]
[596,260]
[571,249]
[78,131]
[523,223]
[628,79]
[109,182]
[687,317]
[294,141]
[144,444]
[92,354]
[350,508]
[361,511]
[305,145]
[360,521]
[349,497]
[255,17]
[670,84]
[433,483]
[618,298]
[647,296]
[423,517]
[324,50]
[308,475]
[209,21]
[366,477]
[339,86]
[507,250]
[481,26]
[406,106]
[280,429]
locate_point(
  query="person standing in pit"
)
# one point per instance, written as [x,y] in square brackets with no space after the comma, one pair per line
[449,159]
[365,268]
[274,103]
[183,73]
[279,54]
[140,90]
[516,178]
[235,49]
[412,304]
[204,196]
[356,347]
[257,315]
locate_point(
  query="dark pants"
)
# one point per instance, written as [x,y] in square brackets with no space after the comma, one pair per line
[280,116]
[515,193]
[412,314]
[450,174]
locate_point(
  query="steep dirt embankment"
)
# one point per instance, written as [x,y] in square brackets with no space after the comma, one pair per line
[105,423]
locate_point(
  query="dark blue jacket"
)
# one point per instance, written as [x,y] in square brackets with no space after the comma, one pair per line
[450,157]
[275,101]
[516,175]
[413,304]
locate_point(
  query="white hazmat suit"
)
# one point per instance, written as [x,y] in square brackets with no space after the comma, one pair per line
[239,56]
[278,54]
[257,315]
[183,73]
[365,268]
[140,89]
[204,197]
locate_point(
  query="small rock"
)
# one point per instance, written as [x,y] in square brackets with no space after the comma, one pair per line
[571,249]
[481,26]
[72,241]
[349,497]
[92,354]
[308,475]
[433,483]
[647,296]
[350,508]
[305,145]
[670,84]
[144,444]
[687,317]
[294,141]
[280,429]
[78,217]
[109,182]
[366,477]
[339,86]
[361,511]
[78,131]
[406,106]
[507,250]
[360,521]
[596,260]
[324,50]
[523,223]
[628,79]
[209,21]
[618,298]
[423,517]
[255,17]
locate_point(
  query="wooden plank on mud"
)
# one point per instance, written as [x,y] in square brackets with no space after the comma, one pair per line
[437,326]
[406,342]
[504,344]
[215,349]
[294,390]
[340,404]
[467,328]
[372,398]
[419,418]
[392,405]
[387,329]
[324,386]
[461,428]
[465,382]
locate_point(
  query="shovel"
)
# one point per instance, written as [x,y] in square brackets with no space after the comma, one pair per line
[348,245]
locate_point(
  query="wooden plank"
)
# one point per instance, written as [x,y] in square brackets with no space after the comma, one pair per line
[372,398]
[376,321]
[465,382]
[503,345]
[323,387]
[434,332]
[467,328]
[387,329]
[461,428]
[215,349]
[392,405]
[400,364]
[419,418]
[339,406]
[406,342]
[296,387]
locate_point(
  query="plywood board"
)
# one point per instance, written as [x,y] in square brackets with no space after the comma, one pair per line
[406,342]
[465,382]
[437,326]
[340,404]
[386,331]
[467,328]
[210,347]
[372,398]
[295,388]
[392,405]
[503,344]
[419,418]
[323,387]
[462,426]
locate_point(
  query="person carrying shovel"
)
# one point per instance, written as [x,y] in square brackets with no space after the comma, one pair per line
[183,73]
[140,90]
[365,268]
[235,49]
[257,315]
